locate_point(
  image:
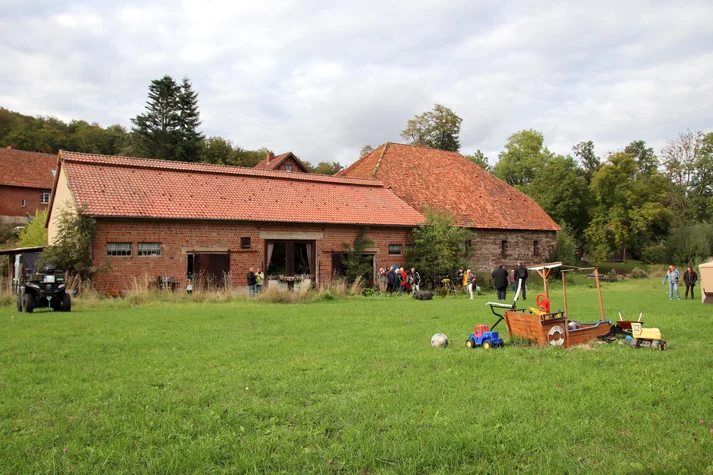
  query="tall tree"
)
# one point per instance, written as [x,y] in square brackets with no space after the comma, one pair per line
[524,157]
[644,156]
[190,140]
[688,163]
[438,128]
[365,150]
[588,160]
[561,189]
[325,168]
[157,129]
[479,159]
[629,210]
[217,150]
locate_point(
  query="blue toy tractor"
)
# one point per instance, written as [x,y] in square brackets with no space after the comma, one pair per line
[485,336]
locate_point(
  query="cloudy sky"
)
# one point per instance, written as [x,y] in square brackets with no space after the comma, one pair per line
[323,78]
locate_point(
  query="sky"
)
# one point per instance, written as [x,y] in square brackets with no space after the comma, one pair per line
[324,78]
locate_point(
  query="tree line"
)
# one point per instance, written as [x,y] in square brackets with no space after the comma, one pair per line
[168,129]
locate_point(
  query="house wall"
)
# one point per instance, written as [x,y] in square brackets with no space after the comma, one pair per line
[62,199]
[296,168]
[179,238]
[11,209]
[520,246]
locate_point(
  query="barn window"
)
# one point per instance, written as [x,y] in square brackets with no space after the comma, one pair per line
[288,168]
[45,196]
[149,249]
[244,243]
[536,248]
[118,249]
[503,248]
[395,249]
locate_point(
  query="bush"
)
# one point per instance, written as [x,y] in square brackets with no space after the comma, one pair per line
[638,273]
[654,254]
[612,276]
[690,245]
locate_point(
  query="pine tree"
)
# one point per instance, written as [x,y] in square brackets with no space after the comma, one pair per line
[190,140]
[158,131]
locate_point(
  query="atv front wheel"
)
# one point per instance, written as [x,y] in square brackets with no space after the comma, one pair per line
[28,303]
[66,303]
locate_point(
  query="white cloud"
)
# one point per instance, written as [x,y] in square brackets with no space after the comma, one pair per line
[323,79]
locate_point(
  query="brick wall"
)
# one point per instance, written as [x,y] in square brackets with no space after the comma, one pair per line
[11,202]
[520,247]
[177,238]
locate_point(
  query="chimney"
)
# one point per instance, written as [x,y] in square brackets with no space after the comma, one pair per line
[269,156]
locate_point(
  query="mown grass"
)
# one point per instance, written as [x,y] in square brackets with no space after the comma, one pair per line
[349,386]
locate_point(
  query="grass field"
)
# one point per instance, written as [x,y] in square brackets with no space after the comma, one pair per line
[350,386]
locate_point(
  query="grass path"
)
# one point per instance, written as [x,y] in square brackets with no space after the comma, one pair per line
[350,386]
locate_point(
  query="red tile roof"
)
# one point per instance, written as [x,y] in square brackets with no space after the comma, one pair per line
[426,177]
[26,169]
[275,162]
[142,188]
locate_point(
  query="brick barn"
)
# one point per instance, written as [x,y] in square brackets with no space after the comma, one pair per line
[25,183]
[510,225]
[173,219]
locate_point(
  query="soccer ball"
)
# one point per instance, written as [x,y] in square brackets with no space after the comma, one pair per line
[440,340]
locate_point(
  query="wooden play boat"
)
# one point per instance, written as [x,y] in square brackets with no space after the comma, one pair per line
[554,328]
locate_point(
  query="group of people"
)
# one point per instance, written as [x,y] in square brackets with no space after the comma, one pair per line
[690,277]
[255,281]
[396,279]
[501,279]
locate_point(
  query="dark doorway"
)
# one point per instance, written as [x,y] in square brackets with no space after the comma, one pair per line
[338,269]
[290,258]
[208,270]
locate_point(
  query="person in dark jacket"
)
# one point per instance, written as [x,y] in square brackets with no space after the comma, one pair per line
[252,280]
[521,274]
[690,278]
[390,280]
[500,276]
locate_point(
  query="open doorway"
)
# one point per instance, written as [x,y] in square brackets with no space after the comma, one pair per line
[339,271]
[208,270]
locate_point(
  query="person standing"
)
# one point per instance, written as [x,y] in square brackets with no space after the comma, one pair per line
[251,282]
[521,275]
[513,285]
[390,280]
[397,281]
[690,278]
[471,282]
[500,277]
[672,277]
[404,278]
[416,280]
[259,280]
[459,278]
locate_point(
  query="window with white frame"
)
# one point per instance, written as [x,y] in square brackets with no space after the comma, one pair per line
[22,203]
[395,249]
[45,196]
[288,168]
[118,249]
[149,249]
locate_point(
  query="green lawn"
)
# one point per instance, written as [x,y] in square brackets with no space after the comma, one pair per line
[350,386]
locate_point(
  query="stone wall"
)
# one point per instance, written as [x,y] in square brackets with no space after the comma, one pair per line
[520,247]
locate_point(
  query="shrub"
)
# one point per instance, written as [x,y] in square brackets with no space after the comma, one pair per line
[612,276]
[654,254]
[35,233]
[637,273]
[690,245]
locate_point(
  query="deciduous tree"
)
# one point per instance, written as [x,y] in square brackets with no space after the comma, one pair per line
[479,159]
[524,157]
[438,128]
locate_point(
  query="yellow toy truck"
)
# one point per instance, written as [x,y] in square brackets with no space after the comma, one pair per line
[649,337]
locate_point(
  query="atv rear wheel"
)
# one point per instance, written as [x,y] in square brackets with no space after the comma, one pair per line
[28,303]
[66,303]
